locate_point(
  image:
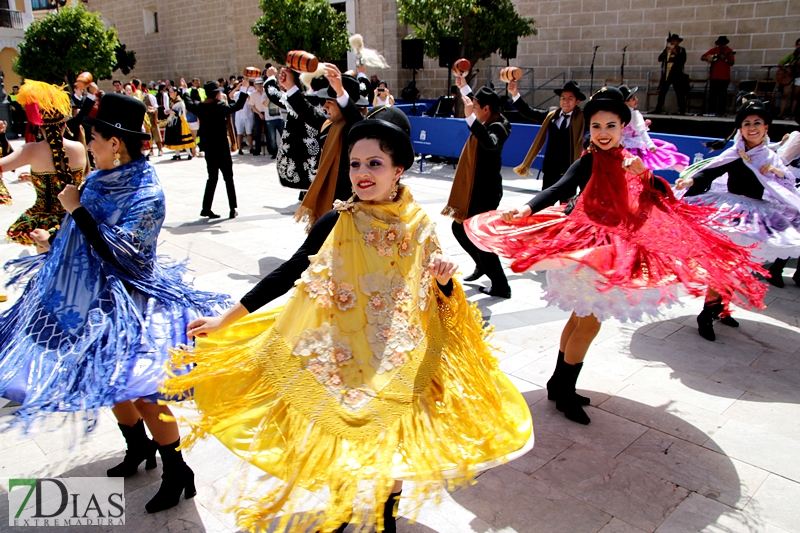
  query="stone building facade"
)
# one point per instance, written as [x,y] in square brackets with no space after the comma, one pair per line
[213,40]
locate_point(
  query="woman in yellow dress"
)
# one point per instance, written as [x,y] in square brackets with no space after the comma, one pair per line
[377,370]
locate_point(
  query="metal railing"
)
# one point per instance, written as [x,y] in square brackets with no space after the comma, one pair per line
[11,19]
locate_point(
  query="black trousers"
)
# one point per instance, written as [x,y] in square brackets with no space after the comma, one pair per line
[677,81]
[487,262]
[216,161]
[718,96]
[258,130]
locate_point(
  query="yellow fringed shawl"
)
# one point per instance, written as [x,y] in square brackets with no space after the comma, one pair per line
[368,374]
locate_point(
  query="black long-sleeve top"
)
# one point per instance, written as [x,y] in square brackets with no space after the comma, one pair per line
[487,187]
[678,61]
[281,280]
[741,180]
[531,113]
[577,176]
[213,115]
[315,118]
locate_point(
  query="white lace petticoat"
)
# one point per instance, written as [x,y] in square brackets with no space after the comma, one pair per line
[578,288]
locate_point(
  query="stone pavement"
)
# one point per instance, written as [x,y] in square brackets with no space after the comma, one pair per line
[686,435]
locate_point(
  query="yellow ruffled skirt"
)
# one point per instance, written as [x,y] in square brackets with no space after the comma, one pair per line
[465,417]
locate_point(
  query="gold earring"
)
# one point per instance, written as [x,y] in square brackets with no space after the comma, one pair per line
[116,159]
[393,195]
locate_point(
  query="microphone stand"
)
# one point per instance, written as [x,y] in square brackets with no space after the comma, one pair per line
[622,68]
[707,92]
[591,71]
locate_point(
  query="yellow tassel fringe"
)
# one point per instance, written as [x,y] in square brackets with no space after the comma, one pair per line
[467,416]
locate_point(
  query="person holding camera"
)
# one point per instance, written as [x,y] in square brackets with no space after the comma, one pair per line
[382,95]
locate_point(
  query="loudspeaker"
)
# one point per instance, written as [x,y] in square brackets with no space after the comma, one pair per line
[509,53]
[412,52]
[449,50]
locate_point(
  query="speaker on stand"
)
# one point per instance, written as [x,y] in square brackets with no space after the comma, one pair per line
[508,53]
[412,52]
[449,50]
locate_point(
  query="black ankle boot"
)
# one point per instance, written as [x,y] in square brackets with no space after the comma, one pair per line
[476,274]
[796,277]
[776,273]
[716,309]
[568,402]
[176,478]
[705,321]
[140,448]
[390,511]
[554,385]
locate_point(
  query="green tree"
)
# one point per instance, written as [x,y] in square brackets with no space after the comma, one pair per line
[482,26]
[310,25]
[125,59]
[65,43]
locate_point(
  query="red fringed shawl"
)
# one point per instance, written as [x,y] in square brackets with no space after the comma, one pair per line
[631,233]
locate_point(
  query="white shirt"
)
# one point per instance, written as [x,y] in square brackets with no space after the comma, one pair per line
[562,117]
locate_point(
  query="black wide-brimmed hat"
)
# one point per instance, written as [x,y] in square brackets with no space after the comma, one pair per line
[211,88]
[673,36]
[574,88]
[753,107]
[485,96]
[123,115]
[722,41]
[627,92]
[390,124]
[607,99]
[351,87]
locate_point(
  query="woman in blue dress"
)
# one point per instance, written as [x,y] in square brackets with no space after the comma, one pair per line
[99,314]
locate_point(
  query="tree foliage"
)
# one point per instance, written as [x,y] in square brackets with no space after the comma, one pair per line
[482,26]
[125,59]
[310,25]
[65,43]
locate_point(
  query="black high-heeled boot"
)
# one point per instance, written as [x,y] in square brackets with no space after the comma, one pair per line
[567,402]
[176,478]
[140,448]
[476,274]
[390,512]
[776,273]
[705,321]
[554,383]
[717,308]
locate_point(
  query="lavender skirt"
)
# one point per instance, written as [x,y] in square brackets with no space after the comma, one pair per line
[774,228]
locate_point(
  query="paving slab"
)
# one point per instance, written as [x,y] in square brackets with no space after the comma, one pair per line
[698,469]
[651,383]
[626,492]
[698,514]
[674,417]
[496,500]
[775,502]
[759,447]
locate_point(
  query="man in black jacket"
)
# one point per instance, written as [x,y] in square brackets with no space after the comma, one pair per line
[213,115]
[478,184]
[342,101]
[673,58]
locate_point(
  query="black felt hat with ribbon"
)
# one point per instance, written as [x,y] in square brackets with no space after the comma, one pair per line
[627,92]
[608,99]
[572,87]
[123,115]
[390,124]
[351,87]
[753,107]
